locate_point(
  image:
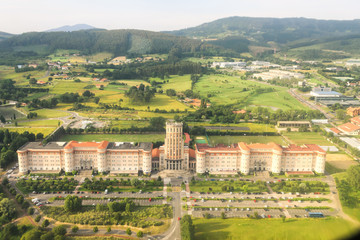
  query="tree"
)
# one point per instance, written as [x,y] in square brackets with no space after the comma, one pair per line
[7,209]
[72,203]
[47,236]
[128,231]
[187,229]
[2,119]
[139,234]
[37,218]
[39,136]
[340,114]
[74,229]
[353,176]
[59,230]
[108,229]
[157,123]
[45,223]
[135,182]
[34,234]
[30,211]
[32,81]
[223,215]
[283,217]
[95,229]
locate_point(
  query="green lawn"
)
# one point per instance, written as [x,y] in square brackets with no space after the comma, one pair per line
[39,123]
[300,138]
[254,127]
[115,137]
[232,90]
[227,140]
[178,83]
[294,229]
[50,113]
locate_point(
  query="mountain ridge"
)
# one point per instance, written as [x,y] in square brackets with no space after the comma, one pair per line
[71,28]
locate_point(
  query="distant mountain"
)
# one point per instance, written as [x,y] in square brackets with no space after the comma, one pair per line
[73,28]
[117,42]
[4,35]
[265,30]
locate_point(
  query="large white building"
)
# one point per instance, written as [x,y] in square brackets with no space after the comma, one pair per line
[174,155]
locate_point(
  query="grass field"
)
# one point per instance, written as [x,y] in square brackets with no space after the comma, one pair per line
[8,113]
[254,127]
[115,137]
[50,113]
[233,90]
[340,161]
[294,229]
[227,140]
[178,83]
[300,138]
[44,130]
[40,123]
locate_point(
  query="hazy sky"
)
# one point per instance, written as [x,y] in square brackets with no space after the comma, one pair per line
[17,16]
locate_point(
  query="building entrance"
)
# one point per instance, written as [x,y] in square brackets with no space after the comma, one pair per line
[173,164]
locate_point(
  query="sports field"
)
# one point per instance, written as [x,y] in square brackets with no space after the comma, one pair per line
[227,140]
[291,229]
[115,137]
[300,138]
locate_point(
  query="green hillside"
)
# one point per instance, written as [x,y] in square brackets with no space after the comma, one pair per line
[117,42]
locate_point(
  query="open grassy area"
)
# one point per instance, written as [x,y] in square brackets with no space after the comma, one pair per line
[40,123]
[233,90]
[176,82]
[115,137]
[226,229]
[300,138]
[254,127]
[227,140]
[44,130]
[50,113]
[340,160]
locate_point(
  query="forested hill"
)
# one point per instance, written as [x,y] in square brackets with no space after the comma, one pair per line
[279,30]
[4,35]
[118,42]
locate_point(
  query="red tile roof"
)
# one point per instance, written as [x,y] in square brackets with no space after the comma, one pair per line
[349,127]
[355,120]
[305,147]
[192,153]
[98,145]
[187,138]
[335,130]
[155,153]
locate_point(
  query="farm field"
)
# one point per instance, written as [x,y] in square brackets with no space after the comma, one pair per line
[233,90]
[227,140]
[8,113]
[115,137]
[301,138]
[44,130]
[294,229]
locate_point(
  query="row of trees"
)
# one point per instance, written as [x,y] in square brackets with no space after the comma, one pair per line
[187,229]
[101,184]
[140,95]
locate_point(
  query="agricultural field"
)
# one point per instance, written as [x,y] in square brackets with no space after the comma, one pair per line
[232,90]
[301,138]
[227,140]
[8,113]
[115,137]
[295,229]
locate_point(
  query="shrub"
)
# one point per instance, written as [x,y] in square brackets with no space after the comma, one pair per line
[95,229]
[108,229]
[74,229]
[140,234]
[128,231]
[31,211]
[45,223]
[37,218]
